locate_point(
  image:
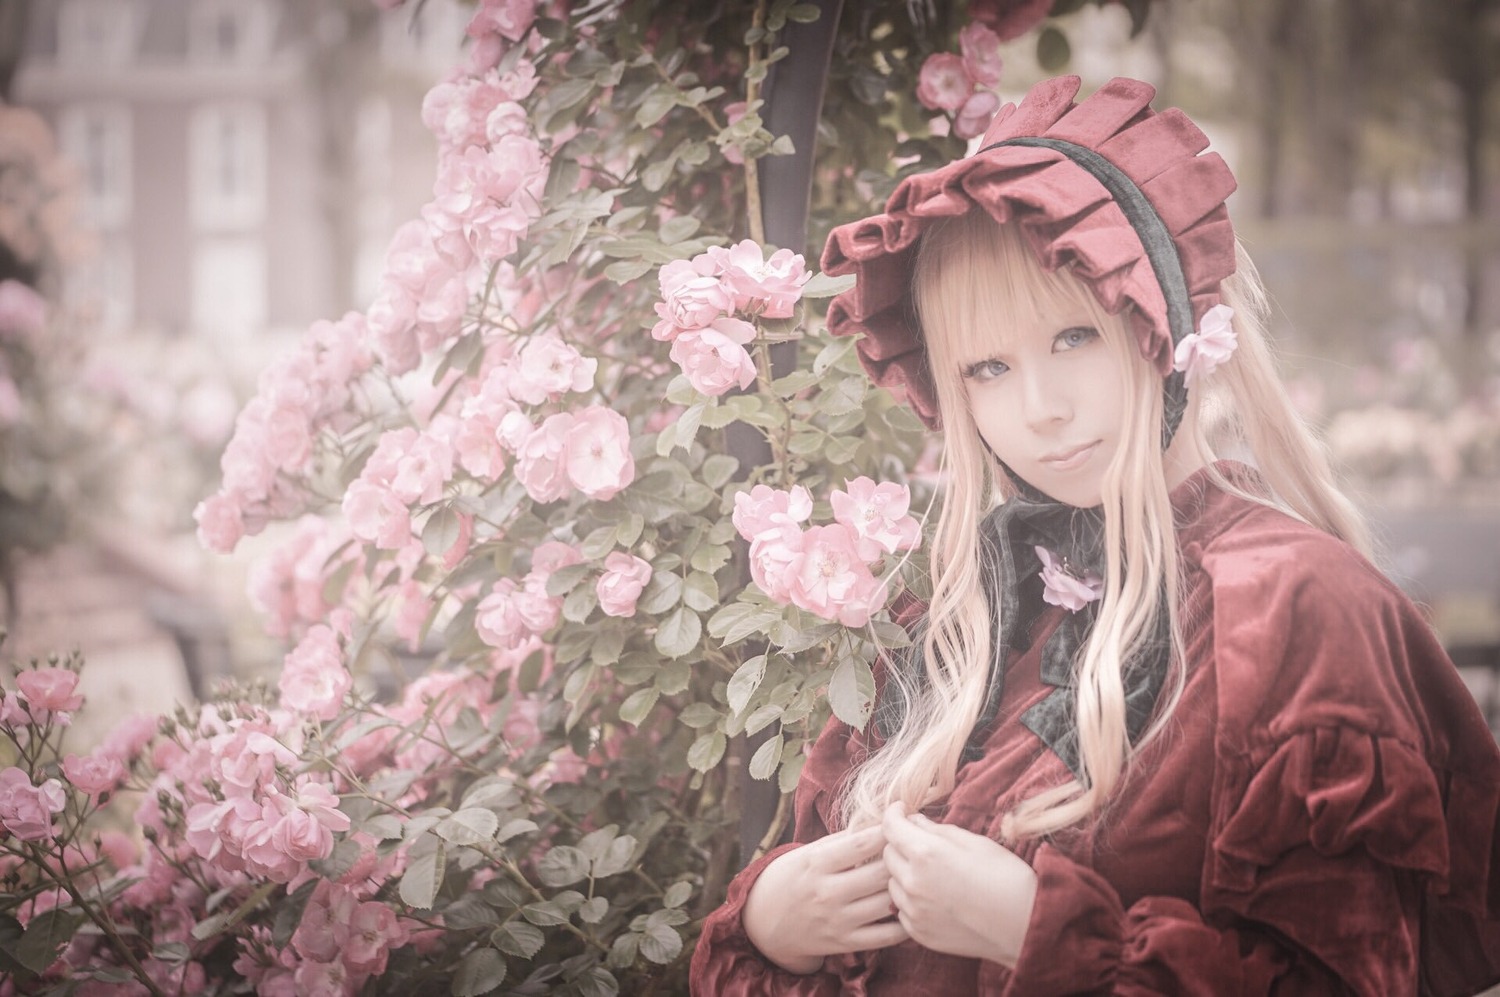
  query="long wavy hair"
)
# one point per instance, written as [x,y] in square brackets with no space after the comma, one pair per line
[970,273]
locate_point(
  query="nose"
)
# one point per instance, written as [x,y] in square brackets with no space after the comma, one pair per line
[1046,396]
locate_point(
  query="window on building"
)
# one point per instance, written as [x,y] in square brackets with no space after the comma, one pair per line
[98,33]
[97,138]
[229,31]
[230,288]
[101,286]
[228,166]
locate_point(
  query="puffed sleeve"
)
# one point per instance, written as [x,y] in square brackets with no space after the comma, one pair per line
[1353,815]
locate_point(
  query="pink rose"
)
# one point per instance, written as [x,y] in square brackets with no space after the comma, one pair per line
[547,368]
[130,737]
[221,523]
[51,689]
[1009,18]
[549,556]
[944,82]
[692,296]
[376,515]
[373,930]
[975,116]
[1202,351]
[773,554]
[423,469]
[497,620]
[768,287]
[538,611]
[26,810]
[13,710]
[878,516]
[764,509]
[94,774]
[539,459]
[831,580]
[1064,587]
[323,929]
[314,680]
[713,359]
[597,453]
[625,577]
[510,19]
[981,53]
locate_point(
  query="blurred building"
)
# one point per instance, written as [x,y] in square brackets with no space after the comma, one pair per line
[243,161]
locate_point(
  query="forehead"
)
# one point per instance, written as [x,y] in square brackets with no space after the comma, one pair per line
[1001,312]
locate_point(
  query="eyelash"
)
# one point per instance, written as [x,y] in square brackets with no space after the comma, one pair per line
[1088,333]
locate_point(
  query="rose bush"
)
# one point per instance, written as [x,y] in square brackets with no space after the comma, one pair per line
[564,552]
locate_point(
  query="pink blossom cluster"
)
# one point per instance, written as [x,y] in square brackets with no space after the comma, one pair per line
[296,397]
[288,586]
[342,940]
[314,680]
[42,697]
[588,452]
[826,570]
[512,614]
[26,809]
[963,84]
[407,469]
[700,300]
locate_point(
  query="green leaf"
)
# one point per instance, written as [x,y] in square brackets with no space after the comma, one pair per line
[625,271]
[673,677]
[821,285]
[764,717]
[845,395]
[469,826]
[515,828]
[851,692]
[677,894]
[596,981]
[593,910]
[661,943]
[1052,49]
[492,792]
[563,580]
[479,972]
[658,102]
[803,13]
[423,877]
[580,603]
[637,705]
[746,680]
[697,715]
[710,558]
[548,913]
[518,938]
[701,592]
[706,751]
[46,933]
[562,866]
[763,763]
[790,773]
[616,858]
[441,530]
[829,356]
[662,593]
[470,911]
[599,542]
[718,469]
[679,633]
[678,228]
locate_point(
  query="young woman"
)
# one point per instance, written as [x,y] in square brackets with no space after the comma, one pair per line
[1164,728]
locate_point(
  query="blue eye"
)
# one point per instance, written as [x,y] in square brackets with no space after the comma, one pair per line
[985,370]
[1071,339]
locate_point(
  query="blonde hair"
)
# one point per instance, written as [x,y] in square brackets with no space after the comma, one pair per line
[971,273]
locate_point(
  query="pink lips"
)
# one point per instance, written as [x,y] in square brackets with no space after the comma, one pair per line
[1066,460]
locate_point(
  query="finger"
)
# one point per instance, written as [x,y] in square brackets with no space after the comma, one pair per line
[902,832]
[876,907]
[848,849]
[861,881]
[897,864]
[878,936]
[900,896]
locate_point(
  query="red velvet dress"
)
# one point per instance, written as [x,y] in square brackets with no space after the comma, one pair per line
[1319,817]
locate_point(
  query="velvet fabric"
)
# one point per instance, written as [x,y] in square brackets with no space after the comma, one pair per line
[1069,218]
[1319,816]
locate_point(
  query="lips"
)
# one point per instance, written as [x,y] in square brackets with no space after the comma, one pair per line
[1066,460]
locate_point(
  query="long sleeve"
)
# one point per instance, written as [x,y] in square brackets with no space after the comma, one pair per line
[1083,940]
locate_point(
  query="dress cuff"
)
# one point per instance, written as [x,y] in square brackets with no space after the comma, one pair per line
[1073,940]
[727,964]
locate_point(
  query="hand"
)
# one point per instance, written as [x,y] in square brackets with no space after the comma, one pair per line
[956,891]
[827,897]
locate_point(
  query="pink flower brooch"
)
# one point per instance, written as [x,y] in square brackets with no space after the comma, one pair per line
[1064,586]
[1214,342]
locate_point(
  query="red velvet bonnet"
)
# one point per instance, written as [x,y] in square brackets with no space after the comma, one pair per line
[1093,185]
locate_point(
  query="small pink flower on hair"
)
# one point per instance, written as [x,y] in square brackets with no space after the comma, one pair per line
[1214,342]
[1064,587]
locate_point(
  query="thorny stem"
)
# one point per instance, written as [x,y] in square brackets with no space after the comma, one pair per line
[752,170]
[778,824]
[101,919]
